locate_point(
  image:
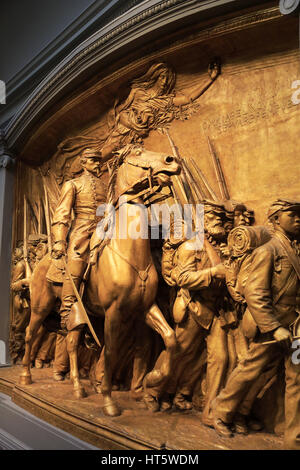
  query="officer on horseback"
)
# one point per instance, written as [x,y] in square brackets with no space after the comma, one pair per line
[80,196]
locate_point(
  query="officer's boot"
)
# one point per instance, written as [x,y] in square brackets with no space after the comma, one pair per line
[68,297]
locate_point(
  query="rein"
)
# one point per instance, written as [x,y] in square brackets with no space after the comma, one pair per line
[147,193]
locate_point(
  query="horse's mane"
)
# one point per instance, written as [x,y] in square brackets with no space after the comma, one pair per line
[120,156]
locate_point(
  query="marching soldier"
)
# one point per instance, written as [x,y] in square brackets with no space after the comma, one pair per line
[271,294]
[198,274]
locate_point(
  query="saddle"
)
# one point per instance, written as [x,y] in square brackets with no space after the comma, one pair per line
[56,271]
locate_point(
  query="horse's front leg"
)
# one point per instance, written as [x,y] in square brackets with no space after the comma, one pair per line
[112,328]
[72,341]
[155,319]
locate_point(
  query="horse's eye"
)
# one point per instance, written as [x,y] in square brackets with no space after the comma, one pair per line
[138,152]
[169,159]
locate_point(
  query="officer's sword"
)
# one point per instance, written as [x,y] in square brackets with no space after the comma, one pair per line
[83,311]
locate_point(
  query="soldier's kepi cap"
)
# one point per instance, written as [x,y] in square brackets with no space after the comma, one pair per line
[216,206]
[91,153]
[231,206]
[35,238]
[283,205]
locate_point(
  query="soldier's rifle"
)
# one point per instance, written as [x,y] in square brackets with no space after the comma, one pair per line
[219,172]
[204,181]
[276,341]
[47,217]
[183,175]
[189,199]
[28,271]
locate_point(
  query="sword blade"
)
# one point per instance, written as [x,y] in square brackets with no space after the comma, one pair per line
[81,304]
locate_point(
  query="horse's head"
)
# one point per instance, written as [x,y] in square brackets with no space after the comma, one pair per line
[141,169]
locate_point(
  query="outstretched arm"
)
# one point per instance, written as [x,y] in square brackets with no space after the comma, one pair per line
[192,94]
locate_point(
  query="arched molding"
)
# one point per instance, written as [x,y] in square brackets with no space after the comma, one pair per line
[127,32]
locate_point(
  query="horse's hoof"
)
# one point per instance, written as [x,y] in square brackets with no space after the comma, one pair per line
[111,409]
[80,393]
[25,380]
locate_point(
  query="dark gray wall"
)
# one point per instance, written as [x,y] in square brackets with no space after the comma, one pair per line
[36,35]
[27,26]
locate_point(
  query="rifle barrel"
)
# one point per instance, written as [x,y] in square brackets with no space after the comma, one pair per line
[47,216]
[28,271]
[218,172]
[211,193]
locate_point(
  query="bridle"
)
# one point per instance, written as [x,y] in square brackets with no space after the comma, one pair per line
[146,193]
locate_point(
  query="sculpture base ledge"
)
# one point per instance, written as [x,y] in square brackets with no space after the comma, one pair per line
[136,429]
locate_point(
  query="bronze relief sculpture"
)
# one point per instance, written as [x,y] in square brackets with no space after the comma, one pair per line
[216,291]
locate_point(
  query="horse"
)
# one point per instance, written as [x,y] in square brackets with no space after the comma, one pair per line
[122,281]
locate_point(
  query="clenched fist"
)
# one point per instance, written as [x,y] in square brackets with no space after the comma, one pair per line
[283,335]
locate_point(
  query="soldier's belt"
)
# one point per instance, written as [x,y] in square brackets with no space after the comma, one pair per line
[91,217]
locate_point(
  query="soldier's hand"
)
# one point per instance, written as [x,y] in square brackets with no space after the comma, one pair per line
[59,249]
[25,283]
[225,251]
[218,271]
[283,335]
[22,284]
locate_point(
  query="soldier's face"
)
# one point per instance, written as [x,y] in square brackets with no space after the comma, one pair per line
[92,165]
[41,250]
[213,223]
[240,219]
[289,221]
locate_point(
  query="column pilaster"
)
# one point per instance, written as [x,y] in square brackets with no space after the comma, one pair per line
[6,220]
